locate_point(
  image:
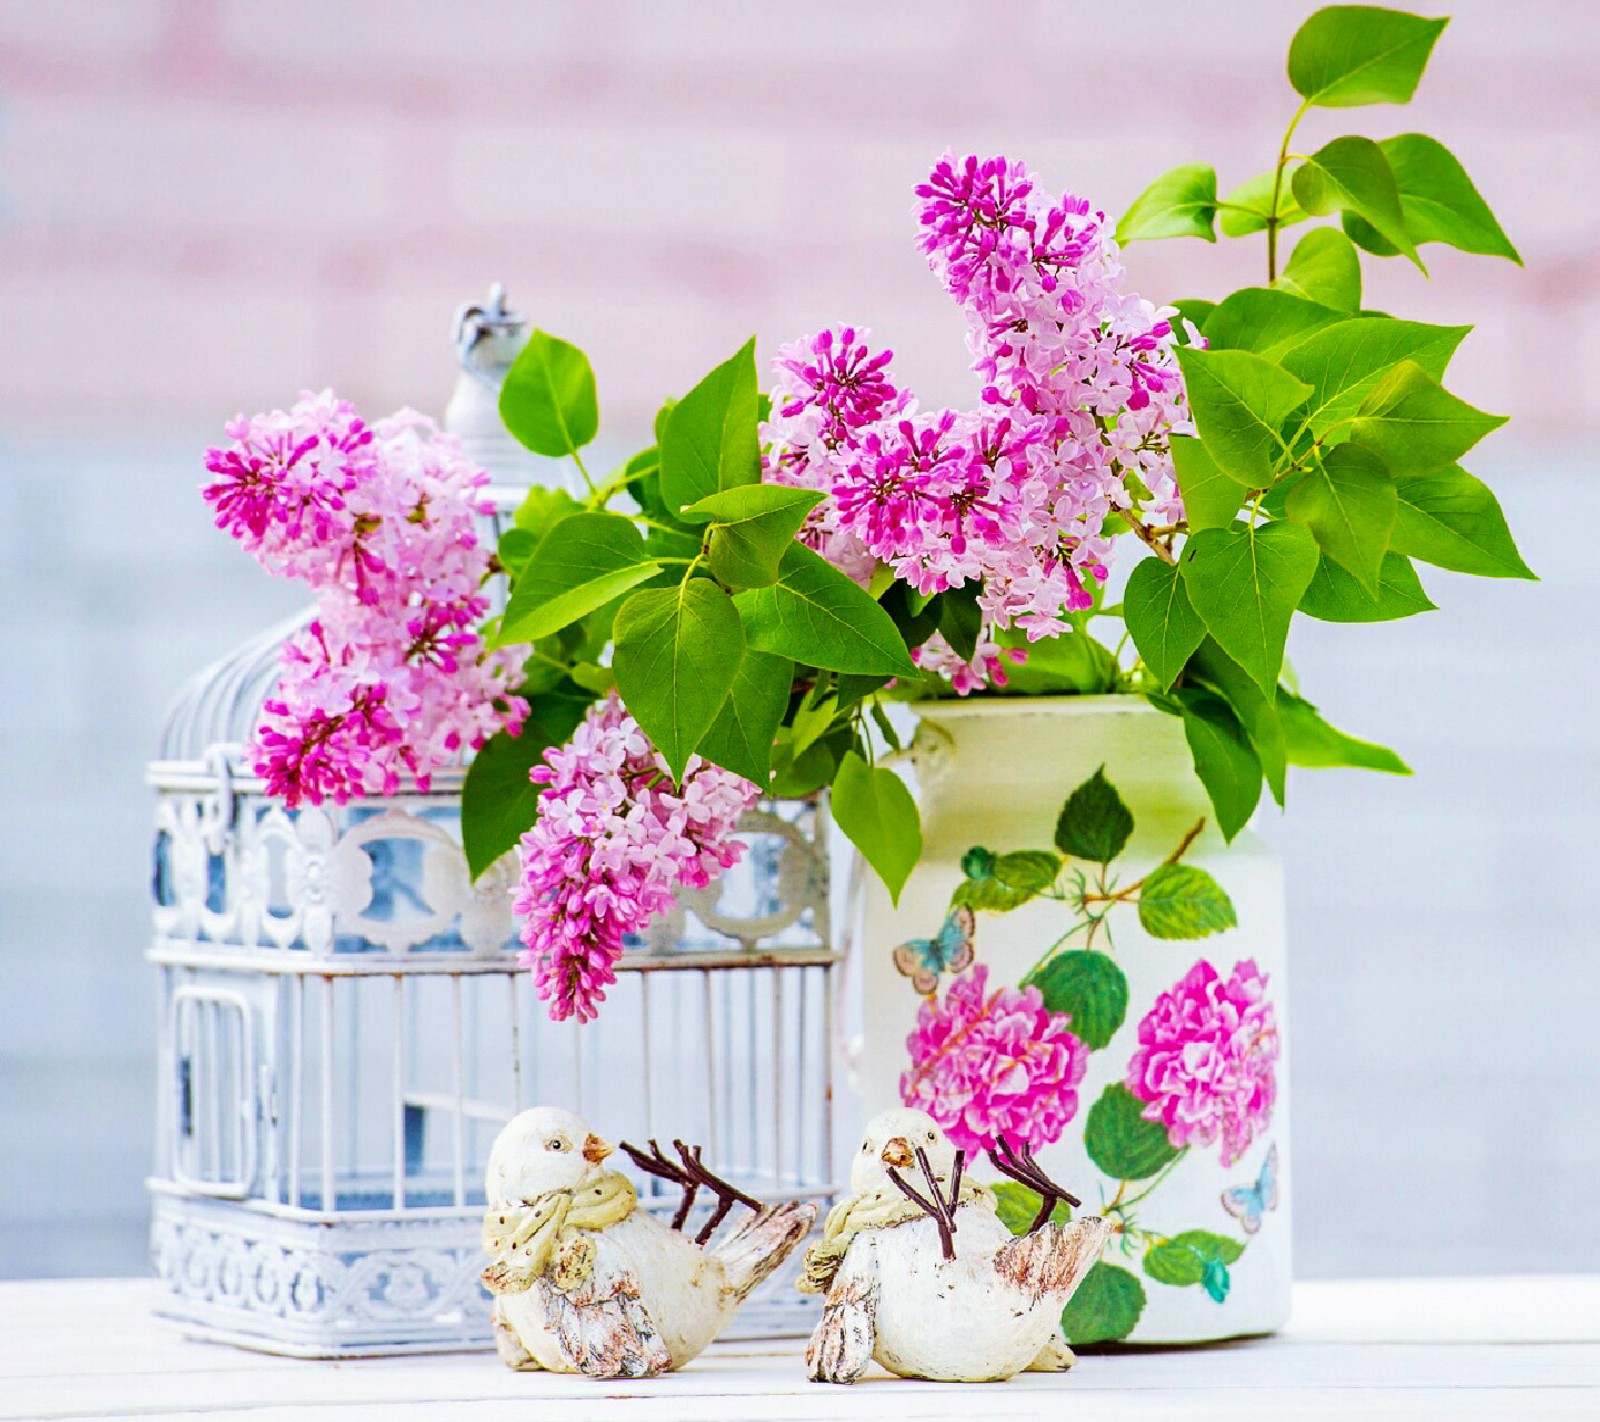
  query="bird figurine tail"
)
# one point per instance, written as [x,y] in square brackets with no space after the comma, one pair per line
[758,1246]
[1054,1260]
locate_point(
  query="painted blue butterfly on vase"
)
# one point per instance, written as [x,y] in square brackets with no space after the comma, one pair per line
[948,951]
[1248,1203]
[1125,1133]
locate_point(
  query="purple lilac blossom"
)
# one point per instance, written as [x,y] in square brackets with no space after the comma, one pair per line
[613,839]
[391,677]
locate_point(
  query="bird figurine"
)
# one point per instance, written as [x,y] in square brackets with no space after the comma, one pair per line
[585,1281]
[921,1274]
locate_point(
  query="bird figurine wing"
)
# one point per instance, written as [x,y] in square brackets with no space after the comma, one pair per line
[1054,1259]
[603,1328]
[758,1246]
[846,1335]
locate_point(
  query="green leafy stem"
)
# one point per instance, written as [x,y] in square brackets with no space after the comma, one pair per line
[1324,462]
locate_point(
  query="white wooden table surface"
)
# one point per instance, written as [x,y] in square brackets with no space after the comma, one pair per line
[1372,1350]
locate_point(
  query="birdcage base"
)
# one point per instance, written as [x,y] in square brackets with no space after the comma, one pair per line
[307,1286]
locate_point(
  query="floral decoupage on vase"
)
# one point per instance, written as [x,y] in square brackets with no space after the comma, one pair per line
[1081,963]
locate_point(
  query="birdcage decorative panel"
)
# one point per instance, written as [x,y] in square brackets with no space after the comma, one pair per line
[345,1028]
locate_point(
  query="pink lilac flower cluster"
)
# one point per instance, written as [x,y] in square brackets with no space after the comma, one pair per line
[391,677]
[612,841]
[1207,1059]
[1080,394]
[987,666]
[990,1065]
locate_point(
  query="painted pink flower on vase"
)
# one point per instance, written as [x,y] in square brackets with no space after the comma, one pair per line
[1207,1059]
[986,1065]
[613,839]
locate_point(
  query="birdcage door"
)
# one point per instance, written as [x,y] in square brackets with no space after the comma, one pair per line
[216,1103]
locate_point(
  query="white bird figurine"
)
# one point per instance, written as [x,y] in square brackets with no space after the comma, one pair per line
[585,1282]
[922,1275]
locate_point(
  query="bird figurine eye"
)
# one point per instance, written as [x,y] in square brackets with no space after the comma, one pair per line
[555,1144]
[930,1135]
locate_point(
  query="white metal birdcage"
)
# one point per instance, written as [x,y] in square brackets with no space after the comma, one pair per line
[344,1026]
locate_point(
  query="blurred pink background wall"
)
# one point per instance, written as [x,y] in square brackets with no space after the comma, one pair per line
[229,199]
[206,205]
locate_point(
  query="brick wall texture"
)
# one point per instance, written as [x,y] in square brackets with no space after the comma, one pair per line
[206,205]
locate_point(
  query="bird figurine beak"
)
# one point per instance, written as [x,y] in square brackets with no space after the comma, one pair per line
[898,1153]
[595,1150]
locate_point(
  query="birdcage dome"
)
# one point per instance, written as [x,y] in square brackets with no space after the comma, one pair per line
[219,706]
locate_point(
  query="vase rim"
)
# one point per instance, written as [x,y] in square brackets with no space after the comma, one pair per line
[960,709]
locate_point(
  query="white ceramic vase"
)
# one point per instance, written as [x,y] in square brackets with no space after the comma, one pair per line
[1206,1249]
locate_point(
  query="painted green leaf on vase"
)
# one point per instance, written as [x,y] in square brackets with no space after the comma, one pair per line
[1090,988]
[999,883]
[1105,1308]
[1120,1142]
[1184,901]
[1094,823]
[1194,1257]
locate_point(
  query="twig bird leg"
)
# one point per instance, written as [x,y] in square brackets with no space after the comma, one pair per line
[663,1169]
[940,1210]
[1025,1170]
[726,1194]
